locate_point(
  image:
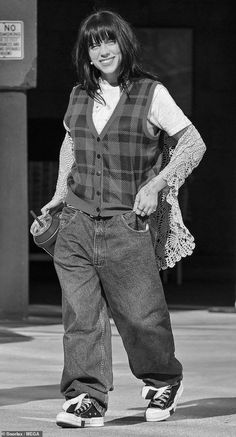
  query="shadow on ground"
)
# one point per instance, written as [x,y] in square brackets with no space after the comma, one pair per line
[20,395]
[29,321]
[209,407]
[7,336]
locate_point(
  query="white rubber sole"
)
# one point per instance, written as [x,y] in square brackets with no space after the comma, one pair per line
[157,415]
[68,420]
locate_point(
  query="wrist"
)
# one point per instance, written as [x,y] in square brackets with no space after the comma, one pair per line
[158,183]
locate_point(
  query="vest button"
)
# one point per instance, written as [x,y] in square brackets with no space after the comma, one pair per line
[98,209]
[98,193]
[98,156]
[98,139]
[98,173]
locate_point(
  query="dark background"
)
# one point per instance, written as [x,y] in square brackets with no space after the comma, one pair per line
[208,275]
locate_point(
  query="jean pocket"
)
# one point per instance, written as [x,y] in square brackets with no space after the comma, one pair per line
[135,223]
[66,217]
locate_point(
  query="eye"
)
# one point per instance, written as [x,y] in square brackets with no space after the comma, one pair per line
[94,46]
[111,41]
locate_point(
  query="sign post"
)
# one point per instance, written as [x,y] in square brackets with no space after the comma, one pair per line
[17,75]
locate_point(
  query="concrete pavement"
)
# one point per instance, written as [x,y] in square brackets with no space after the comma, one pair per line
[31,362]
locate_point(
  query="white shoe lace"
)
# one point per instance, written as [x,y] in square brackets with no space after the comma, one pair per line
[162,399]
[86,402]
[78,402]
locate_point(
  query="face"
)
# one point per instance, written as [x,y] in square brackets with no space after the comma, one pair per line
[106,57]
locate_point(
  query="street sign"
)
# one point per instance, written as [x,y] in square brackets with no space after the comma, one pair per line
[11,40]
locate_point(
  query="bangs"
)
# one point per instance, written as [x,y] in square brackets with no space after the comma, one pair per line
[98,31]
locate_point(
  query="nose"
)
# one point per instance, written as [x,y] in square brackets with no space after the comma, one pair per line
[104,50]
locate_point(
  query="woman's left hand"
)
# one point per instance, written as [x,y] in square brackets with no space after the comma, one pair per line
[146,200]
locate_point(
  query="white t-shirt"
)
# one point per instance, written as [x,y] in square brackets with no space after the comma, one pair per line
[163,112]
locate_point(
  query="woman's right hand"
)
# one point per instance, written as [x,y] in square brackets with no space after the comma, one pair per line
[52,204]
[44,210]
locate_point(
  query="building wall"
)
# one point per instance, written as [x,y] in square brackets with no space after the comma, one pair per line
[212,186]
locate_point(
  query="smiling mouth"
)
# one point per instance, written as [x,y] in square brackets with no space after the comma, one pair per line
[106,61]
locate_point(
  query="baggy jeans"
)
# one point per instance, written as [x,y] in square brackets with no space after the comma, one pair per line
[111,261]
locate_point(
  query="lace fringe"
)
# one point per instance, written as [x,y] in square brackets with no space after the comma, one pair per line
[172,240]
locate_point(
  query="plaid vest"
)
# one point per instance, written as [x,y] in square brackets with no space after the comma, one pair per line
[110,167]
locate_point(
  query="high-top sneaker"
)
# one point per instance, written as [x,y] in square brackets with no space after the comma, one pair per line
[81,412]
[163,401]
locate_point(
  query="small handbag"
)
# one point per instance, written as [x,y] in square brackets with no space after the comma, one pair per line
[46,234]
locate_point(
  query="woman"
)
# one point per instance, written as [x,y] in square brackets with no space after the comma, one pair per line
[114,235]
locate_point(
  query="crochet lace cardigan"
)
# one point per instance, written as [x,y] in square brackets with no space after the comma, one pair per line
[171,239]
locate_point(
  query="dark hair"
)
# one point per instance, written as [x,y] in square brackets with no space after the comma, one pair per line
[99,26]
